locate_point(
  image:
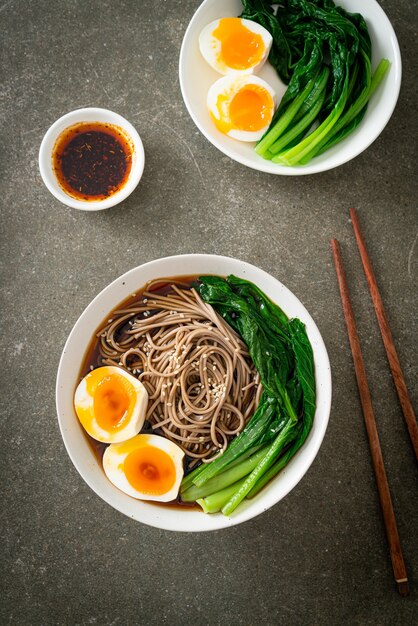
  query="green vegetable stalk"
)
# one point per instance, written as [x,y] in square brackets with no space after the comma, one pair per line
[275,448]
[230,476]
[216,501]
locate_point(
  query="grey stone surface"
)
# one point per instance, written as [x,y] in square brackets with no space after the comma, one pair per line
[320,555]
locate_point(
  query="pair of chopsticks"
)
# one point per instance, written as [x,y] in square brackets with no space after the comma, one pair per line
[389,519]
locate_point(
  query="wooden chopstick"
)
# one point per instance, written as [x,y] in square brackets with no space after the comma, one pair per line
[389,519]
[395,366]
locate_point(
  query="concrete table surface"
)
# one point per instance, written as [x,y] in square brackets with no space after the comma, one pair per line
[319,556]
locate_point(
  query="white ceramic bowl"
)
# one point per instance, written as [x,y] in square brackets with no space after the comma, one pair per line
[75,441]
[90,115]
[196,76]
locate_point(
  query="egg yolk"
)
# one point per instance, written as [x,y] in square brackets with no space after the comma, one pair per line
[111,402]
[113,399]
[250,109]
[150,470]
[240,47]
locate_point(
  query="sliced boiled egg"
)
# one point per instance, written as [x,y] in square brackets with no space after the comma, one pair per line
[147,467]
[232,44]
[241,106]
[111,404]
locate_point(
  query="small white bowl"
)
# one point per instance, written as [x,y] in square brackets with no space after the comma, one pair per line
[83,457]
[90,115]
[196,77]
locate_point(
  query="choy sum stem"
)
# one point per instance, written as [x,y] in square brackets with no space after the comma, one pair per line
[228,477]
[278,444]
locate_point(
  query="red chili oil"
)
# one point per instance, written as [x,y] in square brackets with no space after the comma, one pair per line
[92,160]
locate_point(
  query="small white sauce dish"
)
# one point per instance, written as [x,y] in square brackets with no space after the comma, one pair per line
[103,116]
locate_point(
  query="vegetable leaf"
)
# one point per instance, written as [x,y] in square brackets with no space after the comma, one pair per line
[308,37]
[282,353]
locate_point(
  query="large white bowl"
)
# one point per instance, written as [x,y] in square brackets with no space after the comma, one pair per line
[196,76]
[75,441]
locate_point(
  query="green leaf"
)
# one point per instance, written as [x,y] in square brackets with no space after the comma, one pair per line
[308,37]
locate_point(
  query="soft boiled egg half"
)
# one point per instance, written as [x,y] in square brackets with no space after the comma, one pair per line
[241,106]
[232,44]
[147,467]
[111,404]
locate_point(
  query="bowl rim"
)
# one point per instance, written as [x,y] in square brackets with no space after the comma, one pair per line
[69,119]
[263,165]
[207,522]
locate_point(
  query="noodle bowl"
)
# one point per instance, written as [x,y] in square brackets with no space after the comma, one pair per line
[202,384]
[82,351]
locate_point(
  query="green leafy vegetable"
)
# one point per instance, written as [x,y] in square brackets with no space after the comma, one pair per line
[283,357]
[260,429]
[230,476]
[323,54]
[216,501]
[285,436]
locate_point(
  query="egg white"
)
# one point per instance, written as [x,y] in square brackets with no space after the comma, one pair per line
[115,455]
[210,47]
[229,86]
[85,401]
